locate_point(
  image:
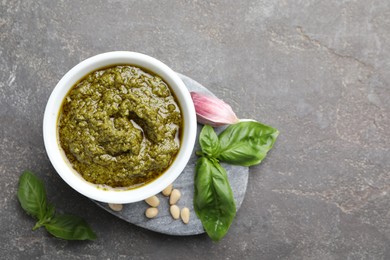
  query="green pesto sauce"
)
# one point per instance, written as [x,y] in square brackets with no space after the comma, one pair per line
[120,126]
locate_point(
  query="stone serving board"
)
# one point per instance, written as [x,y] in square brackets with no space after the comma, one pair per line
[135,212]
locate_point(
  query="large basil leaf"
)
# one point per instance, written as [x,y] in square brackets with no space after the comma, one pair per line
[32,195]
[70,227]
[246,143]
[209,142]
[213,198]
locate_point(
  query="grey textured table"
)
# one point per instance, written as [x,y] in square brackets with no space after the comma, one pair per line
[316,70]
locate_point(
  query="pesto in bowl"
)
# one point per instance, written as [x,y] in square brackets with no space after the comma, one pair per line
[120,126]
[186,133]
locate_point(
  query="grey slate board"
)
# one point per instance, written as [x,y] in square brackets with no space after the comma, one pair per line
[135,212]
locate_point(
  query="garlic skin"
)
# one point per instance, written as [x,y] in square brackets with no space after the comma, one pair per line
[212,111]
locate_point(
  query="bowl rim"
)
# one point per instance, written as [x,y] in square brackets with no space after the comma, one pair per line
[61,163]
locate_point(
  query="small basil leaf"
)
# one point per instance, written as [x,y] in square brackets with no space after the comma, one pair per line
[246,143]
[209,142]
[32,195]
[213,198]
[70,227]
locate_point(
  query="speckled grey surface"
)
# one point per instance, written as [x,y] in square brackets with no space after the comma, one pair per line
[316,70]
[164,223]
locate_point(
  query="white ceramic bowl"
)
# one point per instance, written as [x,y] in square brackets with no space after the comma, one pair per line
[61,163]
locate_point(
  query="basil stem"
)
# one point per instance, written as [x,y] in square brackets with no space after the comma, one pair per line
[213,198]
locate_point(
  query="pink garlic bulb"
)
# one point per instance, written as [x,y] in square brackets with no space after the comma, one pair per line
[212,111]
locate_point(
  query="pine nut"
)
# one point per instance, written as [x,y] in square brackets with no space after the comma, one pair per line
[175,196]
[151,212]
[185,215]
[115,207]
[175,211]
[167,191]
[153,201]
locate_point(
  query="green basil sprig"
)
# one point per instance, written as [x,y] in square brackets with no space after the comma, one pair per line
[32,198]
[245,144]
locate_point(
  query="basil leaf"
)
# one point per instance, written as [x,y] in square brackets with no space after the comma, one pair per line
[246,143]
[209,142]
[70,227]
[213,198]
[32,195]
